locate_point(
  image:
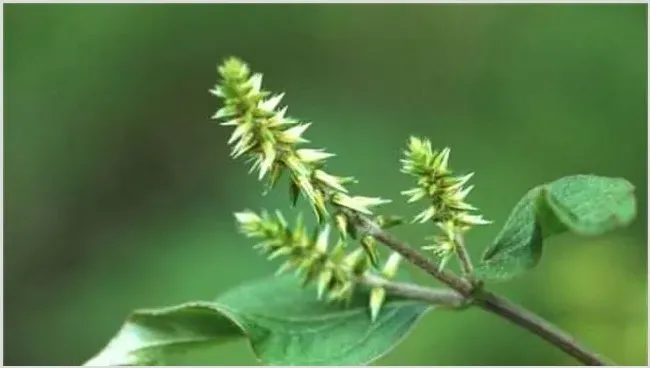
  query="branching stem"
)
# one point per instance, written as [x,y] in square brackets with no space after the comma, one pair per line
[482,298]
[438,297]
[446,277]
[540,327]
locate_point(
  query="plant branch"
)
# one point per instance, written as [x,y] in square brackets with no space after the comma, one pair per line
[463,256]
[540,327]
[446,277]
[484,299]
[438,297]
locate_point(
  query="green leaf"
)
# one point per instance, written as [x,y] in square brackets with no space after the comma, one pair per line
[592,205]
[582,204]
[285,325]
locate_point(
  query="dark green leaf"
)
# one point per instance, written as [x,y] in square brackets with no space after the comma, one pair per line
[284,323]
[581,204]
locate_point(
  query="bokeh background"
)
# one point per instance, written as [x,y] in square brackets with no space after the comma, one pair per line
[119,191]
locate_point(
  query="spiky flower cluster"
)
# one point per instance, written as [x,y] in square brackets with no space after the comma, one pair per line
[270,139]
[267,137]
[335,271]
[445,193]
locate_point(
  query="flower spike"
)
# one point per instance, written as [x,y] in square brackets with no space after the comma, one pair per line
[445,193]
[271,141]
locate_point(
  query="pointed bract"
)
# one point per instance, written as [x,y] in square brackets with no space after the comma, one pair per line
[342,224]
[471,220]
[441,162]
[358,203]
[224,112]
[414,194]
[239,132]
[425,215]
[331,181]
[368,244]
[279,252]
[354,258]
[294,134]
[324,280]
[268,158]
[392,265]
[247,217]
[270,104]
[377,297]
[321,241]
[313,155]
[255,82]
[217,92]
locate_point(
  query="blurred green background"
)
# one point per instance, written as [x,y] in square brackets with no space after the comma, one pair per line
[119,191]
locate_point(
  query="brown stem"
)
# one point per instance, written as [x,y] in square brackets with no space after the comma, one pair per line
[484,299]
[413,256]
[540,327]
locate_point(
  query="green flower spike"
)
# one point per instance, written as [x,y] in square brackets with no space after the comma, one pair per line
[445,193]
[444,246]
[332,269]
[270,141]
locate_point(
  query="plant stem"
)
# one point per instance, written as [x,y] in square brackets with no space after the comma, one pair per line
[540,327]
[482,298]
[438,297]
[460,285]
[463,256]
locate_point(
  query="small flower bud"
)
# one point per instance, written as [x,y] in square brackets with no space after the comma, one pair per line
[368,244]
[331,181]
[324,280]
[321,241]
[341,291]
[415,194]
[224,112]
[293,135]
[239,132]
[425,215]
[247,217]
[358,203]
[377,297]
[270,104]
[279,252]
[313,155]
[387,222]
[392,265]
[441,162]
[255,82]
[342,224]
[267,158]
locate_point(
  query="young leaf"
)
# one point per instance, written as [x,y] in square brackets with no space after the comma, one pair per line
[581,204]
[285,325]
[592,205]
